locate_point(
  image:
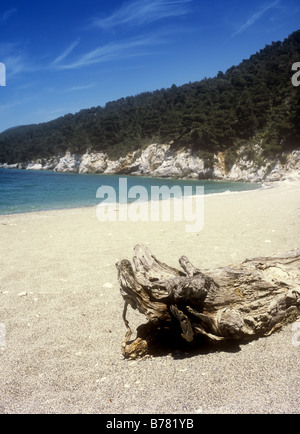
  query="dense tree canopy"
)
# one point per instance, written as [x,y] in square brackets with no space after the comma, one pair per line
[249,103]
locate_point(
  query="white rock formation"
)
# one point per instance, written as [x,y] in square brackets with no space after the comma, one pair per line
[68,163]
[93,163]
[164,161]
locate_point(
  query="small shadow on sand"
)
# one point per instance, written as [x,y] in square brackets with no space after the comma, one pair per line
[165,342]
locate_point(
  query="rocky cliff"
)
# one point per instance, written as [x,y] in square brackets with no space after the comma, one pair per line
[163,161]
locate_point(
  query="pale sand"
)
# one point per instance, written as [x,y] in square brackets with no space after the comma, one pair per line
[63,338]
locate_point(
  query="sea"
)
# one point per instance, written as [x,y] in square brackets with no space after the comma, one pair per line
[23,191]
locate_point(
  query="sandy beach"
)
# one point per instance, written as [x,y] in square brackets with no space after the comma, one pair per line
[61,309]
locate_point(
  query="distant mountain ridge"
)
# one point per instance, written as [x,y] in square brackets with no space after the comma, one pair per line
[252,103]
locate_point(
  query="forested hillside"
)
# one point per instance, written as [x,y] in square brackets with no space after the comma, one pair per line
[249,103]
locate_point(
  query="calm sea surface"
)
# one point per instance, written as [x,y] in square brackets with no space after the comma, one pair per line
[27,191]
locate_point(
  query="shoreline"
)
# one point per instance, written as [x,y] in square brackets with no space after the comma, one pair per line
[256,186]
[168,178]
[61,307]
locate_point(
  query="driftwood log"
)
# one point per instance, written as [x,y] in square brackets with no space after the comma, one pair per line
[241,302]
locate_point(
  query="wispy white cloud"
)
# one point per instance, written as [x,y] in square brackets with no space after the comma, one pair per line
[111,51]
[138,12]
[83,87]
[14,58]
[17,101]
[132,12]
[255,17]
[15,64]
[66,52]
[7,14]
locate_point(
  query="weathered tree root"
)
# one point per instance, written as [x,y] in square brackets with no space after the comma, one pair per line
[239,302]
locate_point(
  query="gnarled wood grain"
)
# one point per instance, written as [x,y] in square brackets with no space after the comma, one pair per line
[239,302]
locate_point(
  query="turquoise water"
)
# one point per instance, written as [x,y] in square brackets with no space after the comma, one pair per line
[27,191]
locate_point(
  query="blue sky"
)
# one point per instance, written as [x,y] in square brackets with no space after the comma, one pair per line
[64,56]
